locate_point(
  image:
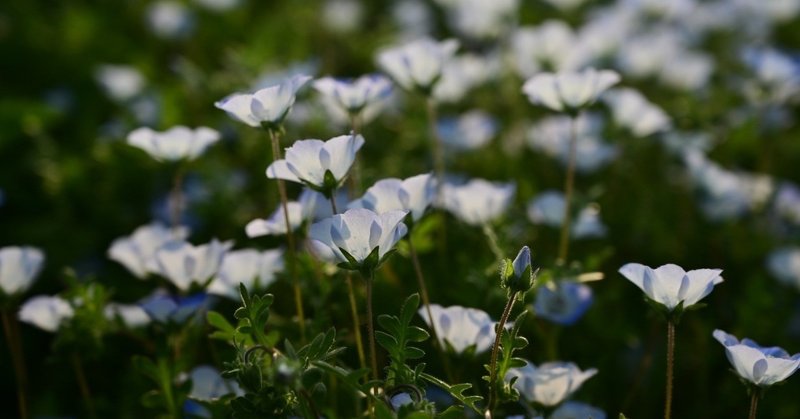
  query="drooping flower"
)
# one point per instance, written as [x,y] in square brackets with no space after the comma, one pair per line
[414,195]
[184,264]
[478,202]
[563,302]
[170,309]
[321,165]
[569,90]
[354,96]
[253,268]
[275,225]
[267,107]
[461,327]
[131,315]
[176,143]
[417,65]
[46,312]
[548,208]
[136,251]
[670,285]
[470,131]
[633,111]
[760,365]
[359,238]
[19,266]
[550,383]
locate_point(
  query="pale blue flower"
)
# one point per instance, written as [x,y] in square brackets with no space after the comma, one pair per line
[550,383]
[19,266]
[760,365]
[784,264]
[470,131]
[208,385]
[547,208]
[478,202]
[551,136]
[633,111]
[354,96]
[577,410]
[185,265]
[131,315]
[461,327]
[563,302]
[275,225]
[414,195]
[169,19]
[176,143]
[169,309]
[670,285]
[46,312]
[120,82]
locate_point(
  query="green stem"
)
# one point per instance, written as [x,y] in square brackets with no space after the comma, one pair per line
[83,384]
[371,327]
[500,328]
[563,247]
[18,360]
[670,367]
[356,320]
[166,387]
[292,256]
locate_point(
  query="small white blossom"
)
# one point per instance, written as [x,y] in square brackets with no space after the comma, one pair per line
[275,225]
[569,90]
[417,65]
[470,131]
[577,410]
[266,107]
[208,385]
[670,285]
[136,251]
[478,202]
[45,312]
[176,143]
[132,315]
[164,308]
[461,327]
[633,111]
[414,195]
[169,19]
[19,266]
[551,135]
[550,383]
[120,82]
[760,365]
[184,264]
[253,268]
[355,96]
[784,264]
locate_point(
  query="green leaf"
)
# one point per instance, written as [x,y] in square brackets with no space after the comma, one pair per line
[457,391]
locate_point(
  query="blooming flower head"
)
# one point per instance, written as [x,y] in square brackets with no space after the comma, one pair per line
[569,91]
[670,285]
[19,266]
[478,202]
[45,312]
[461,327]
[136,251]
[253,268]
[359,238]
[550,383]
[321,165]
[463,73]
[184,264]
[120,82]
[414,194]
[267,107]
[208,385]
[177,143]
[353,96]
[762,366]
[417,65]
[563,302]
[169,309]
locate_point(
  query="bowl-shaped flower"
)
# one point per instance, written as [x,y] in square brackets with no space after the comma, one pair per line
[762,366]
[478,202]
[176,143]
[550,383]
[569,91]
[670,285]
[19,266]
[267,107]
[417,65]
[353,96]
[563,302]
[169,309]
[253,268]
[184,264]
[414,194]
[136,251]
[461,327]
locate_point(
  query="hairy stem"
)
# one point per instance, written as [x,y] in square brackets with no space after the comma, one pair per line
[670,367]
[563,246]
[292,255]
[18,360]
[83,384]
[500,328]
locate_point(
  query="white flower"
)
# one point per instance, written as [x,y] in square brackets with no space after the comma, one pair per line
[136,251]
[354,96]
[762,366]
[478,202]
[550,383]
[169,19]
[577,410]
[165,308]
[184,264]
[275,225]
[218,5]
[551,135]
[569,90]
[343,16]
[417,65]
[208,385]
[563,302]
[132,315]
[552,44]
[310,161]
[777,75]
[121,82]
[548,208]
[461,327]
[45,312]
[482,19]
[414,195]
[266,107]
[566,5]
[176,143]
[463,73]
[470,131]
[670,285]
[19,266]
[784,264]
[359,232]
[255,269]
[633,111]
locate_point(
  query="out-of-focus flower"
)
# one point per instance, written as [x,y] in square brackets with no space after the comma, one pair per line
[550,383]
[566,5]
[551,135]
[552,45]
[417,65]
[343,16]
[563,302]
[762,366]
[275,225]
[120,82]
[413,195]
[481,19]
[478,202]
[318,207]
[184,264]
[413,17]
[470,131]
[664,54]
[359,238]
[400,399]
[208,385]
[255,269]
[461,327]
[577,410]
[463,73]
[267,107]
[548,208]
[136,251]
[168,309]
[218,5]
[670,285]
[169,19]
[569,90]
[682,143]
[633,111]
[45,312]
[131,315]
[353,97]
[784,264]
[787,202]
[176,143]
[320,165]
[19,266]
[777,76]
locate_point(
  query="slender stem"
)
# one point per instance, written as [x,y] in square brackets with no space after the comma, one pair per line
[500,328]
[355,174]
[83,384]
[436,144]
[753,404]
[563,247]
[493,242]
[356,320]
[292,256]
[670,367]
[17,358]
[333,204]
[373,358]
[176,199]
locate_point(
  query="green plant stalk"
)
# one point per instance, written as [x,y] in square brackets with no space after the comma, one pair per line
[753,404]
[569,183]
[18,360]
[373,358]
[495,348]
[436,144]
[292,256]
[83,384]
[670,368]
